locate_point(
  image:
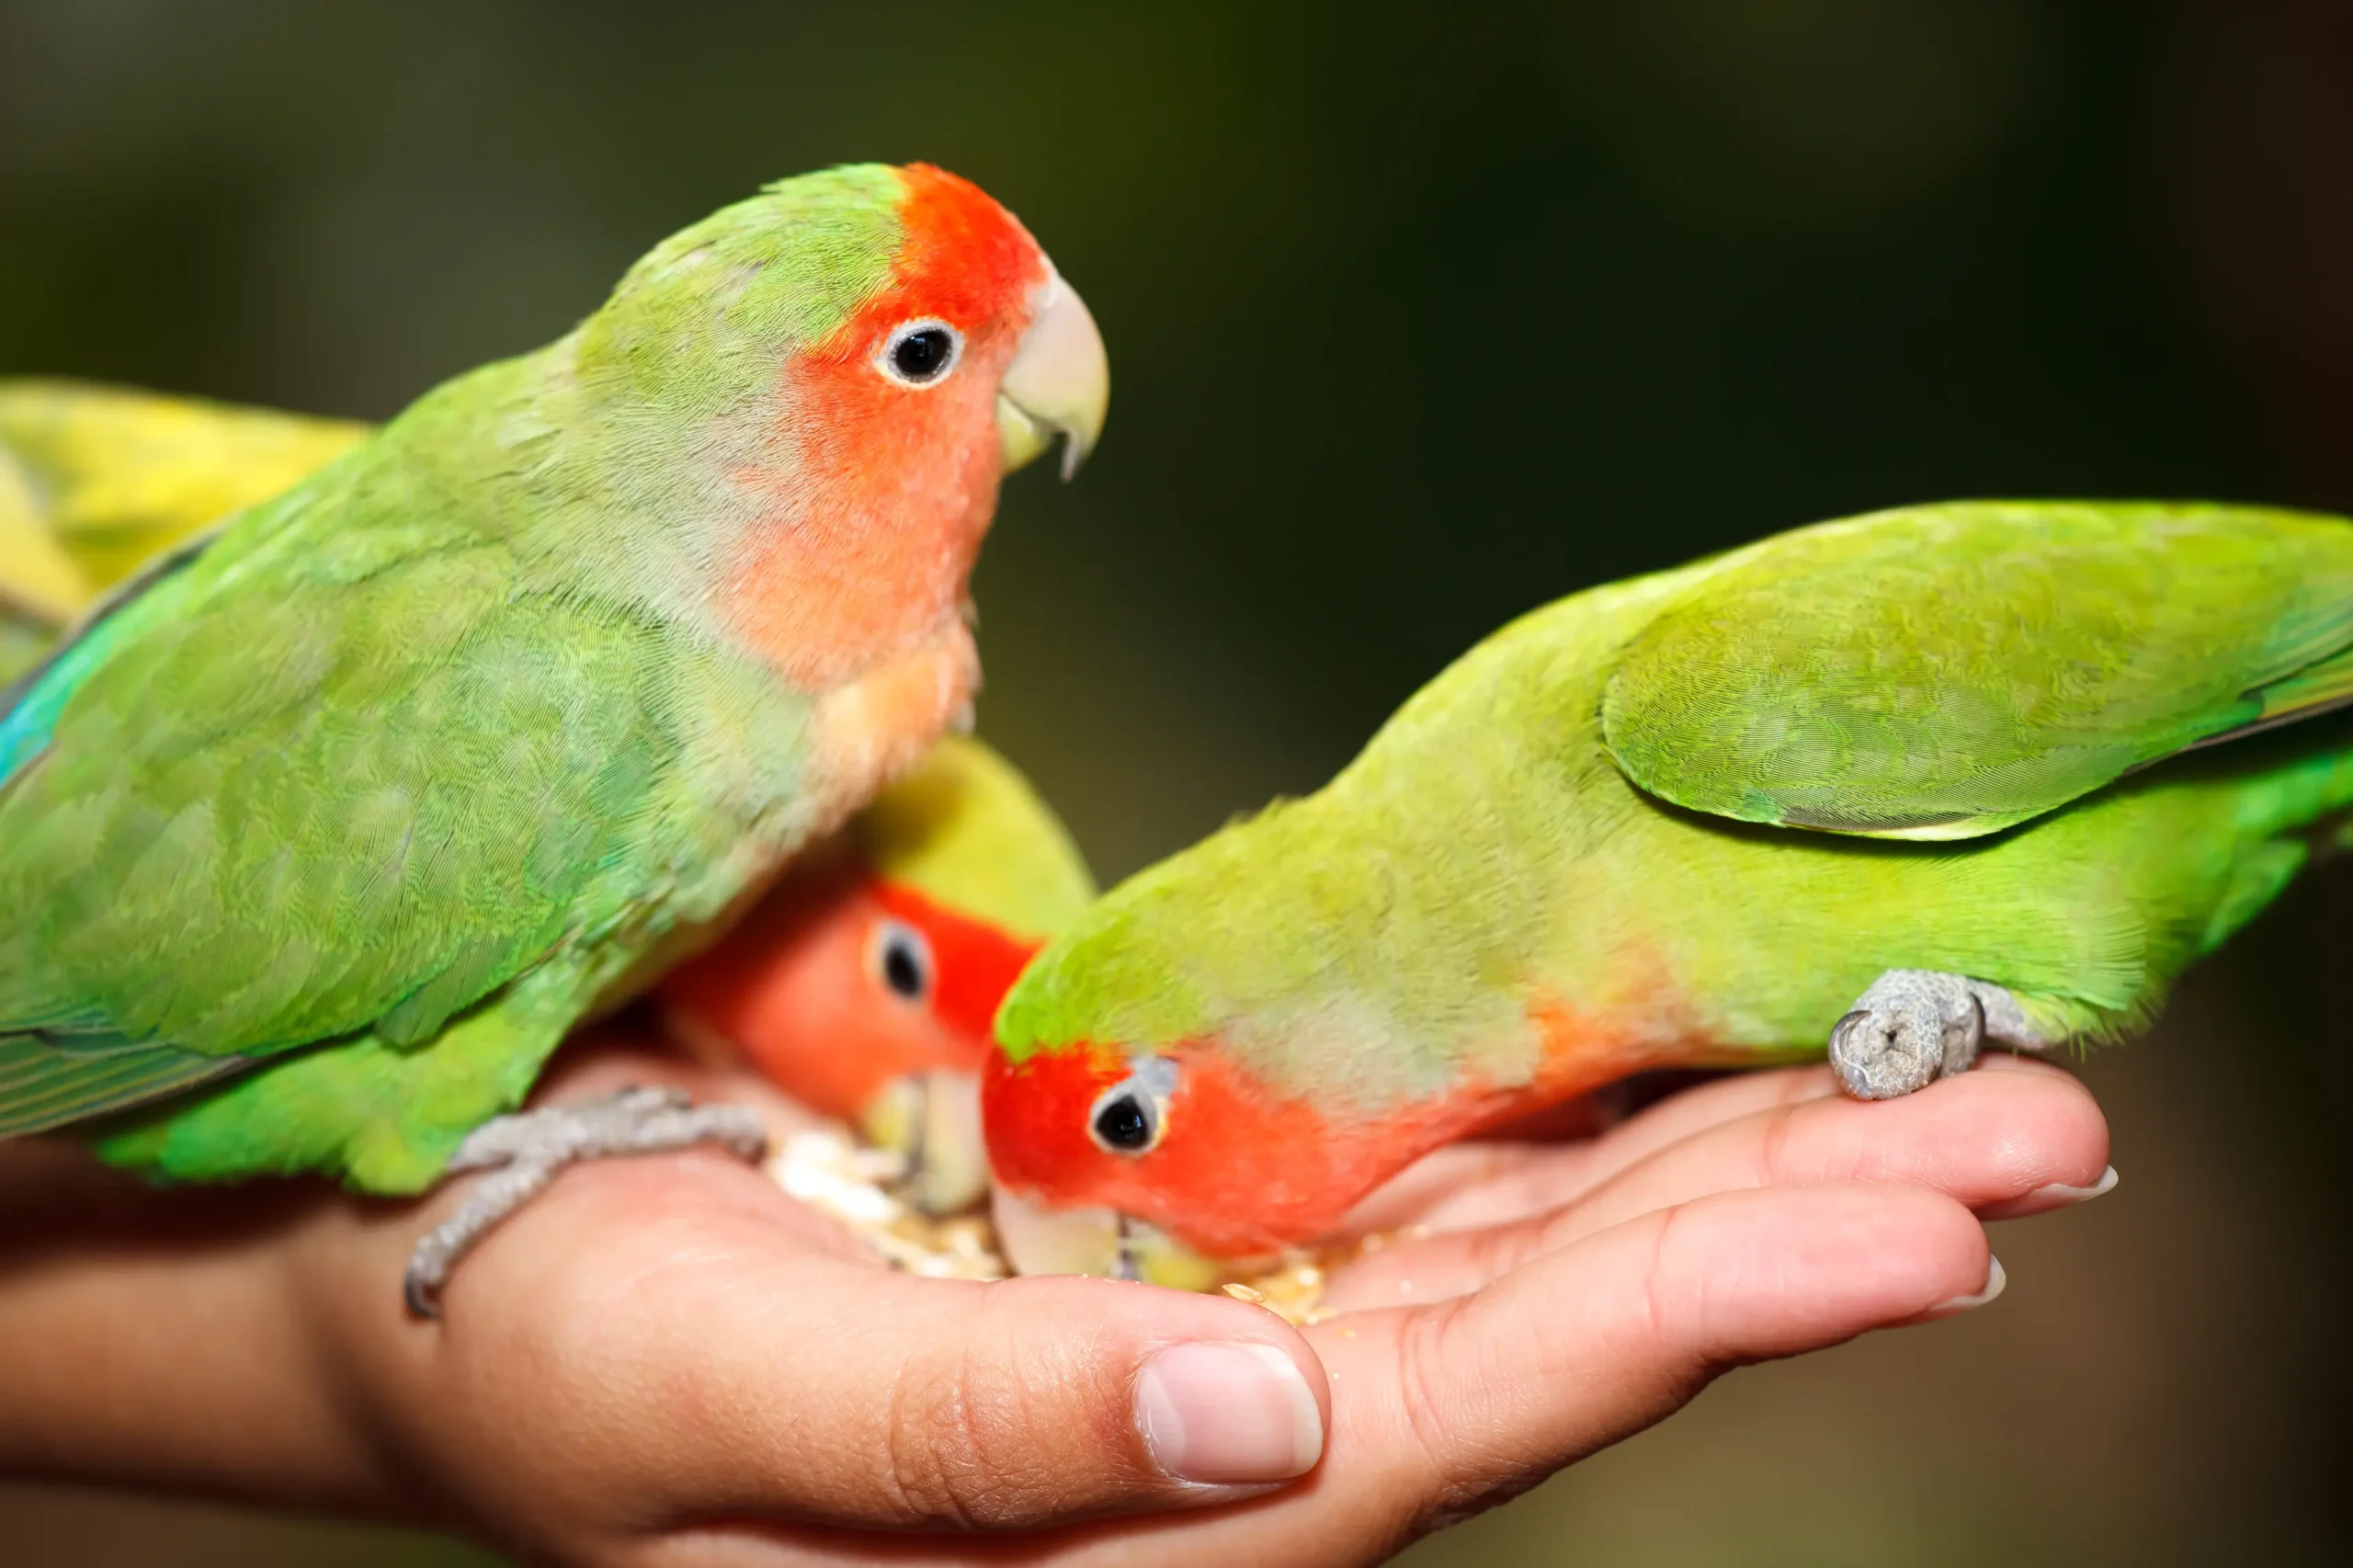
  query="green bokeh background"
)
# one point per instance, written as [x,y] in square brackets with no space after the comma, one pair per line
[1419,317]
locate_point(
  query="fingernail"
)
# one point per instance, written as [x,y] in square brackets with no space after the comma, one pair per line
[1228,1413]
[1995,1279]
[2060,1192]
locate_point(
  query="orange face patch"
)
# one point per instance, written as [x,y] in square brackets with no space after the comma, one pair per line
[801,987]
[1242,1169]
[1239,1170]
[974,966]
[882,490]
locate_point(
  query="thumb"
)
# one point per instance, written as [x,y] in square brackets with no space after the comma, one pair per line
[653,1349]
[901,1402]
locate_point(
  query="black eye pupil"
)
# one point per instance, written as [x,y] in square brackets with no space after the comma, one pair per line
[1122,1124]
[920,356]
[902,969]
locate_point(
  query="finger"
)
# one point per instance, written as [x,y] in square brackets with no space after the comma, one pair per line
[1478,1183]
[2064,1193]
[647,1349]
[1724,1100]
[1998,1141]
[1480,1397]
[1443,1409]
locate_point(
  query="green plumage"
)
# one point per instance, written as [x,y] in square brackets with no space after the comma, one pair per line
[1571,836]
[969,833]
[420,760]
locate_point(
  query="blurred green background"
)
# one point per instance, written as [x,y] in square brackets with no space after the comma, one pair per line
[1418,319]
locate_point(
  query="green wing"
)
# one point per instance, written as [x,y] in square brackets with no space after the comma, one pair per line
[351,785]
[1944,672]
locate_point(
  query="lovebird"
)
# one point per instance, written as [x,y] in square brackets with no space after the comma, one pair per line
[1900,784]
[862,984]
[865,984]
[321,833]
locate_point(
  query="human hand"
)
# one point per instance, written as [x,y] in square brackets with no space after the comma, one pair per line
[664,1360]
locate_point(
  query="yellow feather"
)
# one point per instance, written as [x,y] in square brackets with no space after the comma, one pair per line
[94,480]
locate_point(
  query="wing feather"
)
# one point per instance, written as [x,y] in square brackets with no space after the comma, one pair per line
[1946,672]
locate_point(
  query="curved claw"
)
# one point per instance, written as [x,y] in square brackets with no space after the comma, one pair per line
[521,1154]
[1877,1056]
[1911,1027]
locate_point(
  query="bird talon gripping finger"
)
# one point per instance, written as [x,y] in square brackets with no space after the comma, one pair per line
[1913,1026]
[320,833]
[526,1151]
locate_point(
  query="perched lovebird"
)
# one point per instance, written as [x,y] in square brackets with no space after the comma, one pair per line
[865,984]
[321,833]
[1901,784]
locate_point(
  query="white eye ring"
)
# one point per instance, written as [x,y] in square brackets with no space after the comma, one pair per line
[1131,1116]
[900,959]
[921,353]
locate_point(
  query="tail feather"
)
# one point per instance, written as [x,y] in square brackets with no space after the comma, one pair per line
[43,1087]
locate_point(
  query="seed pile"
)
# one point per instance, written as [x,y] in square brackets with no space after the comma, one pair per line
[826,1170]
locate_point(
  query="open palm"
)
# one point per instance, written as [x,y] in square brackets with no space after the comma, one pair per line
[667,1361]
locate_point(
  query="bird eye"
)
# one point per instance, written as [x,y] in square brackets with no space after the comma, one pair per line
[1125,1123]
[921,353]
[901,961]
[1129,1115]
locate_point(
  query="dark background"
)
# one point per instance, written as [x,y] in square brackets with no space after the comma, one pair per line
[1419,319]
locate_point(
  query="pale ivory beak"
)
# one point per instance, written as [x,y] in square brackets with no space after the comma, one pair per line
[1058,384]
[1097,1241]
[933,1120]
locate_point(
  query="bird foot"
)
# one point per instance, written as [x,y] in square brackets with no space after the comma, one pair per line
[524,1152]
[1914,1026]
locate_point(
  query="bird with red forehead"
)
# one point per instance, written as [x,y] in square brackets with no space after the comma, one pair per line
[1895,788]
[317,837]
[865,984]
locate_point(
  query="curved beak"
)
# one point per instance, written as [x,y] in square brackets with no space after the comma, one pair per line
[1100,1241]
[1058,384]
[933,1120]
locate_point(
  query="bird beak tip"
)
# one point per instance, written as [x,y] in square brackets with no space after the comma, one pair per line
[1058,384]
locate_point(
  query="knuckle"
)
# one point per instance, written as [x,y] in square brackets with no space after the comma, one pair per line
[1464,1472]
[1679,1328]
[1421,1355]
[1777,1144]
[963,1439]
[927,1444]
[1495,1251]
[1658,1321]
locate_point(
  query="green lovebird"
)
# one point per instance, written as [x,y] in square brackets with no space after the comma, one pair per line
[1902,783]
[321,833]
[863,983]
